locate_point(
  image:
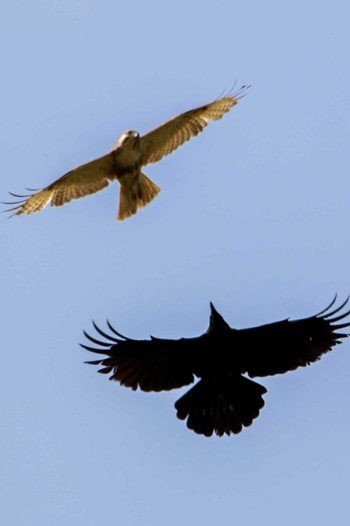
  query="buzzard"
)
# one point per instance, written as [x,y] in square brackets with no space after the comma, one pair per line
[124,163]
[224,400]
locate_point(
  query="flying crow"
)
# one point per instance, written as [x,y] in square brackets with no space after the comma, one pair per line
[224,400]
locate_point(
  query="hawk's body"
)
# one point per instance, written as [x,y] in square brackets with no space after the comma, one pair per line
[224,400]
[125,161]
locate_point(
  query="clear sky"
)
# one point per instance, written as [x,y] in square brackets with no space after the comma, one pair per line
[253,215]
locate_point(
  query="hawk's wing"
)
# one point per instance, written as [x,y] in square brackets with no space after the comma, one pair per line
[174,133]
[151,365]
[286,345]
[83,180]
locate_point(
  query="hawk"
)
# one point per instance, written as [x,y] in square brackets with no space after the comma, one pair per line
[224,400]
[124,163]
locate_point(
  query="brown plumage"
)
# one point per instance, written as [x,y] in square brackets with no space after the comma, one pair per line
[125,161]
[223,401]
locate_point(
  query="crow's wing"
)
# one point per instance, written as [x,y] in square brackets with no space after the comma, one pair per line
[286,345]
[174,133]
[151,365]
[84,180]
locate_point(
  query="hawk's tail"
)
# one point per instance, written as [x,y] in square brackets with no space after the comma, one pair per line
[221,405]
[136,197]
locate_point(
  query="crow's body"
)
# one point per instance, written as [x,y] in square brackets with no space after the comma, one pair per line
[224,400]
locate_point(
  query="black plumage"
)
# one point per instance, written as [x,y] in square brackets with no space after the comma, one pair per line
[224,400]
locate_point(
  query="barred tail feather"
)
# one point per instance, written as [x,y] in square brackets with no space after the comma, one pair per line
[127,203]
[223,406]
[137,197]
[149,190]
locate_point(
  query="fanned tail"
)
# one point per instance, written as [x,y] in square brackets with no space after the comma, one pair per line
[222,405]
[136,197]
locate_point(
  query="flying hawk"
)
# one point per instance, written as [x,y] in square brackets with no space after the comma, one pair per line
[224,400]
[124,163]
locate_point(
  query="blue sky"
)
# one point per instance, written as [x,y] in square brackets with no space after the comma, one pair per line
[253,215]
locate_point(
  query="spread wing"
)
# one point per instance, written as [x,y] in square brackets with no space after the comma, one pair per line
[286,345]
[151,365]
[174,133]
[83,180]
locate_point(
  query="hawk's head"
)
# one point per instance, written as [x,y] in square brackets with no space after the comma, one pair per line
[129,137]
[128,142]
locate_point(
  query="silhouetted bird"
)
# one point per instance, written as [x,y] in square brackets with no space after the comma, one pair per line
[223,401]
[125,161]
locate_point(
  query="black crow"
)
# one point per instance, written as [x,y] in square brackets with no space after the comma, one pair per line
[224,400]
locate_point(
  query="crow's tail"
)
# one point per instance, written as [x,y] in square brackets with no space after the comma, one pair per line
[221,405]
